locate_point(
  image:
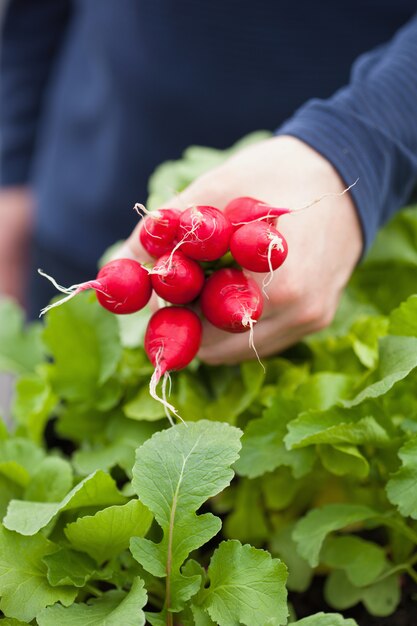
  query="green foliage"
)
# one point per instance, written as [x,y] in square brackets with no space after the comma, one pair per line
[110,517]
[111,609]
[246,586]
[21,349]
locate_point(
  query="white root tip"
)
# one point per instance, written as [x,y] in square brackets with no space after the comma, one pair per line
[69,291]
[326,195]
[58,303]
[248,321]
[170,410]
[275,244]
[142,210]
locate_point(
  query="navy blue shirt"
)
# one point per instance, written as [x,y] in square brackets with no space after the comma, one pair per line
[96,93]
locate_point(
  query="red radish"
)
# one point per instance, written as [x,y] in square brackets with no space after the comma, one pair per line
[258,247]
[122,286]
[204,233]
[158,234]
[176,278]
[172,340]
[231,301]
[246,209]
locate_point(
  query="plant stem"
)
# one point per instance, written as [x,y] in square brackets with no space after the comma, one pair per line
[94,591]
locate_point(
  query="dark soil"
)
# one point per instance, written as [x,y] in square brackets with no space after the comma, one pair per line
[312,601]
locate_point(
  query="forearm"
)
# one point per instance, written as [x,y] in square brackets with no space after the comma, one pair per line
[368,130]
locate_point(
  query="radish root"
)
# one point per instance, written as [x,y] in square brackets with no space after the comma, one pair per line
[69,291]
[248,321]
[160,372]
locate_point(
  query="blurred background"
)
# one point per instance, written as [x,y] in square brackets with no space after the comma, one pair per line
[5,380]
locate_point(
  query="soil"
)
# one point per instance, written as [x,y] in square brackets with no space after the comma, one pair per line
[312,601]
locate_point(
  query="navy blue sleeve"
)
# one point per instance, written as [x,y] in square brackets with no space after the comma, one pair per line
[32,32]
[368,129]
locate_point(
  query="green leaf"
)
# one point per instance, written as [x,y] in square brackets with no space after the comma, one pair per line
[24,587]
[27,518]
[20,349]
[18,458]
[311,530]
[240,393]
[247,586]
[401,488]
[365,334]
[175,472]
[83,339]
[403,320]
[8,491]
[323,390]
[144,407]
[325,619]
[247,520]
[328,428]
[300,573]
[113,608]
[380,598]
[33,404]
[51,480]
[104,457]
[263,447]
[397,358]
[344,460]
[10,621]
[108,532]
[279,488]
[122,436]
[191,396]
[361,560]
[67,567]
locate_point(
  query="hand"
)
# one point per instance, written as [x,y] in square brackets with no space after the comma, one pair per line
[324,241]
[16,215]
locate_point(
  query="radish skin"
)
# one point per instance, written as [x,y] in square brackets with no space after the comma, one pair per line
[176,278]
[158,234]
[204,233]
[231,301]
[245,210]
[258,247]
[122,286]
[172,340]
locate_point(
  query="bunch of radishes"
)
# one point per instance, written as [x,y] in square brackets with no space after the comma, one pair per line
[191,269]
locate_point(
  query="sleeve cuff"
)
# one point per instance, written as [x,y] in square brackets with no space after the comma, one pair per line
[357,151]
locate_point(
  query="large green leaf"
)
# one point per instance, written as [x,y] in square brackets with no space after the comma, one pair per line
[311,530]
[27,518]
[83,339]
[68,567]
[380,598]
[330,428]
[403,320]
[33,404]
[24,587]
[51,481]
[263,447]
[20,349]
[175,472]
[361,560]
[247,586]
[108,532]
[325,619]
[397,358]
[401,488]
[113,608]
